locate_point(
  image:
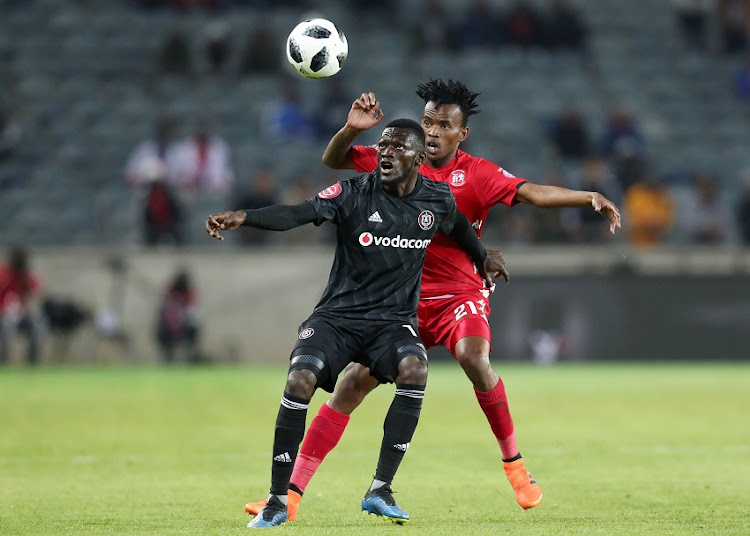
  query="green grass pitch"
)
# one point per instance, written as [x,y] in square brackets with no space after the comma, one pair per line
[617,449]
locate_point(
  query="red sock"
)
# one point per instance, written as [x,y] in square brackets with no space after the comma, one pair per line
[494,403]
[324,433]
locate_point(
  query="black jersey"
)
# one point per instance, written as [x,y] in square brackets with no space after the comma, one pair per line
[380,245]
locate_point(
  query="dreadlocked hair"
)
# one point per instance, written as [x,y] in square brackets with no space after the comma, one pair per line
[439,92]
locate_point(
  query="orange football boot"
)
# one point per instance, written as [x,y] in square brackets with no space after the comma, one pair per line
[293,499]
[528,493]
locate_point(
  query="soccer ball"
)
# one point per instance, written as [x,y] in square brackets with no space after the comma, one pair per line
[316,48]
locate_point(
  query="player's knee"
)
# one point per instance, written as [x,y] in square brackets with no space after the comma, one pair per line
[412,370]
[301,383]
[476,364]
[473,360]
[473,354]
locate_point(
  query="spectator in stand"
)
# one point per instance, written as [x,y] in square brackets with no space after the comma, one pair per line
[296,190]
[524,26]
[650,211]
[334,104]
[186,5]
[565,29]
[734,17]
[217,47]
[375,9]
[741,79]
[202,161]
[285,120]
[569,135]
[160,148]
[595,177]
[743,210]
[261,193]
[175,57]
[261,54]
[149,4]
[692,19]
[550,226]
[10,134]
[707,216]
[431,30]
[480,28]
[162,212]
[623,146]
[177,328]
[20,305]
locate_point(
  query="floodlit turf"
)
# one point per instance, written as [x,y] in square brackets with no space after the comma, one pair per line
[617,449]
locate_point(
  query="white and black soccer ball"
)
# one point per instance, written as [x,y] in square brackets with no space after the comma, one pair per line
[316,48]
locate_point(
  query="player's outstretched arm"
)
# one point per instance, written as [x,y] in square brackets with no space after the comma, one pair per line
[545,196]
[365,113]
[273,218]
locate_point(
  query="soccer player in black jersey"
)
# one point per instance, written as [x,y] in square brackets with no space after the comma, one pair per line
[368,311]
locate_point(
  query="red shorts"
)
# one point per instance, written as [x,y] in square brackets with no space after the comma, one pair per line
[445,321]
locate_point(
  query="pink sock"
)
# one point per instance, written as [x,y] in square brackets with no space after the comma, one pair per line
[494,403]
[324,433]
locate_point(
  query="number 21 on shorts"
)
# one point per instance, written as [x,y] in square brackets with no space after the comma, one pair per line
[470,307]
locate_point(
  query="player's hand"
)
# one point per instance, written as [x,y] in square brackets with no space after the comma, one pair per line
[365,112]
[495,264]
[224,221]
[608,209]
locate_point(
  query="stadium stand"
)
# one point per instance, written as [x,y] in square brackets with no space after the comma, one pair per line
[82,80]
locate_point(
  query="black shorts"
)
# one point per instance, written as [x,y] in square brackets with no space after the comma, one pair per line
[378,345]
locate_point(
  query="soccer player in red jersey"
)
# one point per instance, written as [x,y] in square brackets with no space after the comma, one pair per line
[453,305]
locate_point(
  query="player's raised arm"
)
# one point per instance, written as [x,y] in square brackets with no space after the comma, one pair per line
[273,218]
[365,113]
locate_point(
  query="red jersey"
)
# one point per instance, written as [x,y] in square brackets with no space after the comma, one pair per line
[15,290]
[477,185]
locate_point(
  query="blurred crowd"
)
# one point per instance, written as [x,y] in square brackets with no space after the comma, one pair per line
[183,159]
[186,157]
[36,322]
[164,172]
[687,207]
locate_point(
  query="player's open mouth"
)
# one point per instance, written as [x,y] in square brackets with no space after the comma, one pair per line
[432,147]
[385,167]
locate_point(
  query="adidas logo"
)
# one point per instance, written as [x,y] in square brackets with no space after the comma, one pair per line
[401,446]
[284,458]
[375,217]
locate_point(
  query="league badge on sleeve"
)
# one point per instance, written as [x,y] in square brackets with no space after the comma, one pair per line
[306,333]
[331,192]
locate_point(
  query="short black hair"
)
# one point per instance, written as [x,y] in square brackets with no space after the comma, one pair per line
[18,258]
[439,92]
[410,124]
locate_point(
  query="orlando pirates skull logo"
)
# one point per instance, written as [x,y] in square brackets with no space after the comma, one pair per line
[426,220]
